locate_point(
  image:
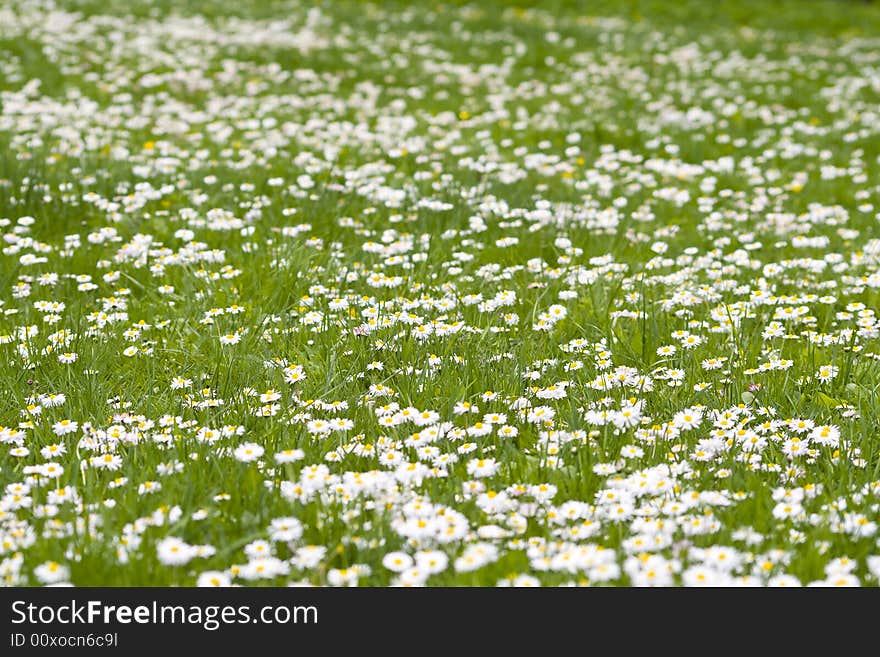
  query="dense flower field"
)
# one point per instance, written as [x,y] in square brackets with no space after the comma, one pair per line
[438,295]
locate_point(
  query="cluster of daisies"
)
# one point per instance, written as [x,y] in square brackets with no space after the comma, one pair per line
[367,296]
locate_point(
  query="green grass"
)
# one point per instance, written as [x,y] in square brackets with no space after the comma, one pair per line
[648,171]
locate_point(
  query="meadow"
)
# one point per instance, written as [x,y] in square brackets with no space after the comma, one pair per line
[452,294]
